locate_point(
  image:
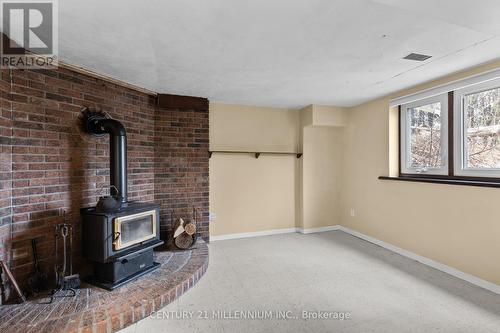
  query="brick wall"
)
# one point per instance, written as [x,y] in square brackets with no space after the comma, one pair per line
[5,165]
[181,166]
[57,168]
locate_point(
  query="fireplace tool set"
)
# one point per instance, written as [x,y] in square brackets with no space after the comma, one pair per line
[66,280]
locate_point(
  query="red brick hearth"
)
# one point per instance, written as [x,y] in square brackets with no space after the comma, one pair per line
[97,310]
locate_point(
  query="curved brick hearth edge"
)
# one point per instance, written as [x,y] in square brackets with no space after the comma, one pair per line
[97,310]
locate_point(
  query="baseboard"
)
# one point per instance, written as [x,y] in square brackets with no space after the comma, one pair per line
[274,232]
[426,261]
[321,229]
[253,234]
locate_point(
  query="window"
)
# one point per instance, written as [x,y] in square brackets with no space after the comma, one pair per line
[424,136]
[477,124]
[457,140]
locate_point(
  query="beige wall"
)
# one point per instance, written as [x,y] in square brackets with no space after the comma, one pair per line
[274,192]
[249,194]
[320,176]
[329,116]
[318,203]
[239,127]
[455,225]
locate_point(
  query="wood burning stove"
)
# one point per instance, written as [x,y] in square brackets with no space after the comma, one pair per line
[118,242]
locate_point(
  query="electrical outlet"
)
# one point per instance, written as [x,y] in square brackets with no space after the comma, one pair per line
[353,212]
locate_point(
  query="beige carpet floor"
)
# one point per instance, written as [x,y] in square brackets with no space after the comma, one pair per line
[332,274]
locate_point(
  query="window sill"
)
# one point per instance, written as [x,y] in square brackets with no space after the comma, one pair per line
[446,181]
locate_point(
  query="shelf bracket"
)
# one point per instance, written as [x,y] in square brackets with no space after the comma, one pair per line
[299,155]
[257,155]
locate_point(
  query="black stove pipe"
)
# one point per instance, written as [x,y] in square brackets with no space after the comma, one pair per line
[117,152]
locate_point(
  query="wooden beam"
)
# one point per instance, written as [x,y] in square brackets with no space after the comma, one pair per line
[168,101]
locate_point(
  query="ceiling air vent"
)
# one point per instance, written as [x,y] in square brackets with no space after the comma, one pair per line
[417,57]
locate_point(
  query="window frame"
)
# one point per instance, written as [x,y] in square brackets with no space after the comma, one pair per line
[451,177]
[459,128]
[405,138]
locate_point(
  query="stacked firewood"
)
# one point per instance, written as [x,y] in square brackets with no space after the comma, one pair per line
[185,232]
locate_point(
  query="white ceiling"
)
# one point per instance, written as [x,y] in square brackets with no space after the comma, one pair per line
[287,53]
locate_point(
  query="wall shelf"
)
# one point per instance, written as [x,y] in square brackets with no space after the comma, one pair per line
[255,153]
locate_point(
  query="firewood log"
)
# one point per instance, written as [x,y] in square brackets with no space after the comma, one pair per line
[179,227]
[190,228]
[183,241]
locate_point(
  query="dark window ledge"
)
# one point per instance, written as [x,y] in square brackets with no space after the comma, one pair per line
[447,181]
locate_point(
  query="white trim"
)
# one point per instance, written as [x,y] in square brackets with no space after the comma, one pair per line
[105,77]
[444,88]
[274,232]
[426,261]
[459,139]
[253,234]
[306,231]
[406,136]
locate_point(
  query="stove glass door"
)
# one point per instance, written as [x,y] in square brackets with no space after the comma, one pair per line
[133,229]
